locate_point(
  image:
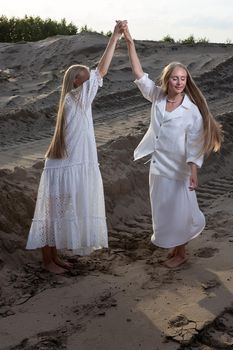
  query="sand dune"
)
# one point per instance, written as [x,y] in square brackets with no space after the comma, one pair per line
[121,298]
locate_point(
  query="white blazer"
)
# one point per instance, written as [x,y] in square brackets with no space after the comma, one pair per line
[174,139]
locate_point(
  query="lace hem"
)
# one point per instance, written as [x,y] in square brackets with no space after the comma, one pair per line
[80,234]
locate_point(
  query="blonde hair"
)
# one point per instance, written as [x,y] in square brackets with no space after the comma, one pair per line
[213,134]
[57,147]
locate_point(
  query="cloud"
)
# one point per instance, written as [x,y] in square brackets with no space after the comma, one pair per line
[206,22]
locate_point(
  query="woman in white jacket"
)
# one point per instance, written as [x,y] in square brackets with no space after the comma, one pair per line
[182,130]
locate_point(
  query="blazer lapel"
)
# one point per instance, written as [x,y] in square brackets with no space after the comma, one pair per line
[179,111]
[161,104]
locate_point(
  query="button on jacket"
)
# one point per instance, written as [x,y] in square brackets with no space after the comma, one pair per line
[173,138]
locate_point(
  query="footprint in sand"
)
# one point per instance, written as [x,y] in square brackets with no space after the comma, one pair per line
[1,264]
[47,340]
[206,252]
[178,321]
[210,284]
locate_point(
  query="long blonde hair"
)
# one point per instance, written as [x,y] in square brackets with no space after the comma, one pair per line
[57,147]
[213,134]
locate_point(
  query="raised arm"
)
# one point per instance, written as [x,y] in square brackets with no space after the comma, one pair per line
[106,59]
[133,57]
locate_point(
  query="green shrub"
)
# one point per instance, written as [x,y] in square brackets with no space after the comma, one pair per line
[189,40]
[203,40]
[85,29]
[168,39]
[109,33]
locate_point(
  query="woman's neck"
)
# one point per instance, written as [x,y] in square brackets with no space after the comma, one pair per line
[174,98]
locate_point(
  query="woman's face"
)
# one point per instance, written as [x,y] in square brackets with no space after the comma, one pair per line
[82,76]
[177,81]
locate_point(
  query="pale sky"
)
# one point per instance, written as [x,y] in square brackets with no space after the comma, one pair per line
[148,19]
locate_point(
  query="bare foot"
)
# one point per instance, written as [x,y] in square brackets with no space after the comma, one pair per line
[54,268]
[172,252]
[58,261]
[176,261]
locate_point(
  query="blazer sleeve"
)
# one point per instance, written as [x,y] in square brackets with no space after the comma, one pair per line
[194,140]
[148,88]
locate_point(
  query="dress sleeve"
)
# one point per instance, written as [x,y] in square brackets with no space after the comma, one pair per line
[194,141]
[148,88]
[90,87]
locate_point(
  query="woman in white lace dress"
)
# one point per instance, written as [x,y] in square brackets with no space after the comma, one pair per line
[70,210]
[182,130]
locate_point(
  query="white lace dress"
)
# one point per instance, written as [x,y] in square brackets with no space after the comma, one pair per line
[70,209]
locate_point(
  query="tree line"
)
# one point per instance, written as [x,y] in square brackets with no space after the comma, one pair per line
[190,40]
[33,28]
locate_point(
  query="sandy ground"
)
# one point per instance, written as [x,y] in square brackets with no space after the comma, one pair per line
[123,297]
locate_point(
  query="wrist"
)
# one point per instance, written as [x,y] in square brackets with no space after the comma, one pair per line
[193,166]
[129,42]
[115,36]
